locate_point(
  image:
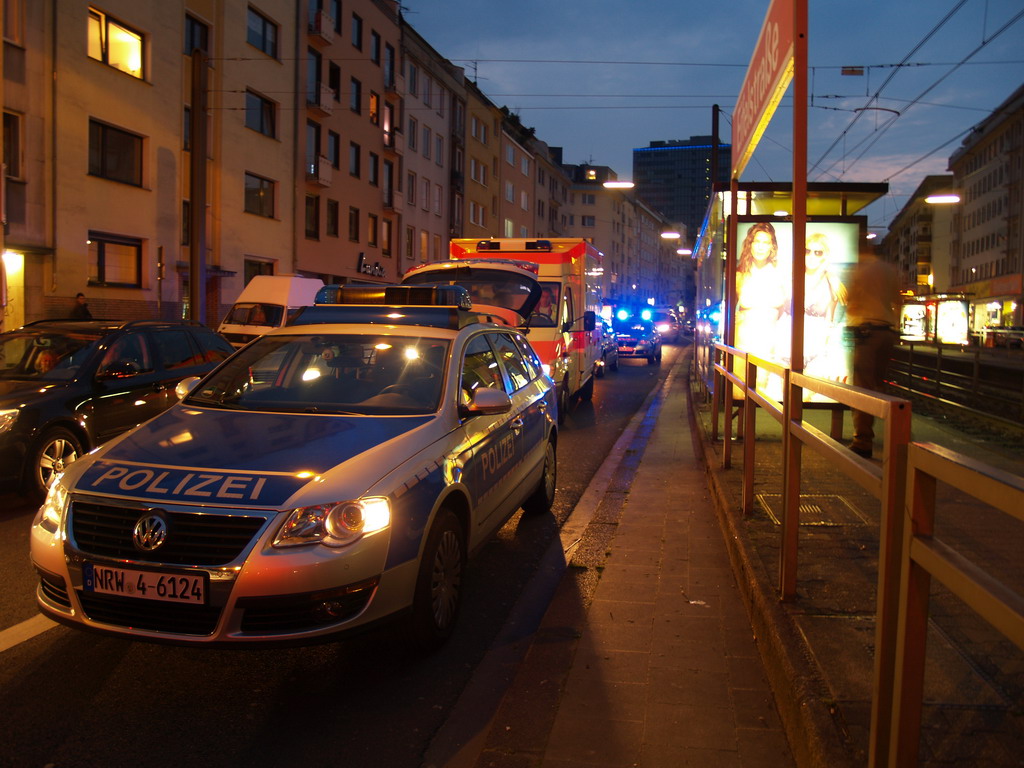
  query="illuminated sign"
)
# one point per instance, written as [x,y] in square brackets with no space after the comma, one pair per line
[768,75]
[764,287]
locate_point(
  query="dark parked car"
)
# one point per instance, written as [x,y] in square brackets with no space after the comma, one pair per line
[68,385]
[639,338]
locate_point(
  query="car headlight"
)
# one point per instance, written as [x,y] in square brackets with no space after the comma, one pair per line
[52,511]
[334,525]
[7,417]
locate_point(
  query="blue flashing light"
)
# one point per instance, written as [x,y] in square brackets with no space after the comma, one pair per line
[646,314]
[622,314]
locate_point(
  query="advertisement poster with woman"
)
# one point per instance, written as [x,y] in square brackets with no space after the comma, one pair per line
[764,295]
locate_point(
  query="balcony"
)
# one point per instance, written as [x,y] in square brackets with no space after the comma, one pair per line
[321,28]
[393,142]
[321,102]
[320,173]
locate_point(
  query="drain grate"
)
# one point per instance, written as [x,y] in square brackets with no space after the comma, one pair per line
[821,509]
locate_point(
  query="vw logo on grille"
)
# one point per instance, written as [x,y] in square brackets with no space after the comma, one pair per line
[150,531]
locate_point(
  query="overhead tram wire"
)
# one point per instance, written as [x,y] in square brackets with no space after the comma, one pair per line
[888,79]
[881,131]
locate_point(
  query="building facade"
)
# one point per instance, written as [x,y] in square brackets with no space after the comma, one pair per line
[988,242]
[335,143]
[675,177]
[918,240]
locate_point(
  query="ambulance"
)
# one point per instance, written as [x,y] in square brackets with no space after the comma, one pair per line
[549,289]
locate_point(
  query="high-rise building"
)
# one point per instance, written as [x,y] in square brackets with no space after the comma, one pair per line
[675,177]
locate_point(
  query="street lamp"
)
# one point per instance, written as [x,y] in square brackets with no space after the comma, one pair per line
[618,185]
[945,199]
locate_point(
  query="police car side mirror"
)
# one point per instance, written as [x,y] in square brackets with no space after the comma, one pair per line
[487,400]
[185,386]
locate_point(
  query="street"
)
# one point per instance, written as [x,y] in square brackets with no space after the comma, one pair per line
[75,699]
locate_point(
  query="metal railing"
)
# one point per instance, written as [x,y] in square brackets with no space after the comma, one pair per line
[923,556]
[887,483]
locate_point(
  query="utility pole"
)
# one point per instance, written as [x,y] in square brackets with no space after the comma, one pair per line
[197,189]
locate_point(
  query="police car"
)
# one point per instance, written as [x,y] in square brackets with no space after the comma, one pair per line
[329,475]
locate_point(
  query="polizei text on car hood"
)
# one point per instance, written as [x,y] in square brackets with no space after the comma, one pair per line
[191,455]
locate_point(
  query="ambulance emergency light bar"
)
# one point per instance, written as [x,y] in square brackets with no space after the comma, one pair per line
[516,245]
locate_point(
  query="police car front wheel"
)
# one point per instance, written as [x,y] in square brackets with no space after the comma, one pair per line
[439,583]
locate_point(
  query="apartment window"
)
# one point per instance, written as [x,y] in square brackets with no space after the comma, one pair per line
[588,221]
[115,260]
[373,169]
[389,66]
[439,150]
[374,108]
[334,149]
[12,144]
[510,192]
[427,133]
[414,128]
[388,125]
[260,114]
[410,243]
[524,200]
[385,237]
[261,32]
[313,61]
[186,130]
[510,228]
[115,154]
[355,97]
[412,80]
[333,218]
[424,245]
[510,155]
[357,31]
[428,89]
[353,224]
[259,195]
[313,217]
[115,44]
[197,35]
[353,159]
[410,188]
[374,47]
[372,227]
[14,15]
[524,166]
[437,199]
[425,194]
[334,80]
[587,198]
[312,148]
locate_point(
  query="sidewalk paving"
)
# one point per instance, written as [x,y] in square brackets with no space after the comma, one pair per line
[665,643]
[661,668]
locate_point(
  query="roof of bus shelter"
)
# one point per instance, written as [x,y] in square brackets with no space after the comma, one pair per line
[823,199]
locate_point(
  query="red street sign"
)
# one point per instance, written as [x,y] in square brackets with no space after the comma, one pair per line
[768,75]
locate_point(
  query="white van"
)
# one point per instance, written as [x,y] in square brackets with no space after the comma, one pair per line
[266,303]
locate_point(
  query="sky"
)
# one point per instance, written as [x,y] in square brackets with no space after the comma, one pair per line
[600,78]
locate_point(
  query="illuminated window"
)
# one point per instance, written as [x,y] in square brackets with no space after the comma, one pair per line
[114,260]
[115,44]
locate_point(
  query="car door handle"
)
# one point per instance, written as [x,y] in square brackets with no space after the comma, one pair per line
[542,406]
[517,424]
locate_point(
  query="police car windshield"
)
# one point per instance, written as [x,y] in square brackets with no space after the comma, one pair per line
[328,373]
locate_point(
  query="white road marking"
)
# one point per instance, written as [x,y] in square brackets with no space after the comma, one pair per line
[26,630]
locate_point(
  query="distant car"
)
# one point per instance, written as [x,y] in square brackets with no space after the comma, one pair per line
[609,360]
[637,338]
[67,386]
[667,324]
[331,475]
